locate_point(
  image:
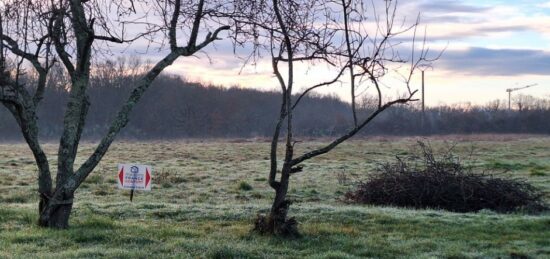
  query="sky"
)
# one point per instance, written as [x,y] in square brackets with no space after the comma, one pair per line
[489,46]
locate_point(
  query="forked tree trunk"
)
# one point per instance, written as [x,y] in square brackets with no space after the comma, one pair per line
[55,212]
[57,218]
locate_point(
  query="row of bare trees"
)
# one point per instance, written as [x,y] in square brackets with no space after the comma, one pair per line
[362,42]
[192,110]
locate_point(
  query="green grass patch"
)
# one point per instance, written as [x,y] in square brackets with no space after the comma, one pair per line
[498,165]
[206,196]
[244,186]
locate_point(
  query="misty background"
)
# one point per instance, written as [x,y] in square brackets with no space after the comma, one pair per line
[177,108]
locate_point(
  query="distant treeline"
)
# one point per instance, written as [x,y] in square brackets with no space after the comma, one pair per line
[174,108]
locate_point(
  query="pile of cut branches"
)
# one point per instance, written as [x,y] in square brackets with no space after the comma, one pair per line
[423,180]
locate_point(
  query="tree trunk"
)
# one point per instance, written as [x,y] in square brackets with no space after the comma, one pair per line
[277,222]
[278,214]
[55,213]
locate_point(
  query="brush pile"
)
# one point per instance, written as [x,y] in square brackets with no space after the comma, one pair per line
[423,180]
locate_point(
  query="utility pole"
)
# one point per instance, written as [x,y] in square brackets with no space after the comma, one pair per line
[509,98]
[423,104]
[423,93]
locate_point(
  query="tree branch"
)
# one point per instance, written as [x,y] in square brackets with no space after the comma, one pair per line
[196,24]
[174,25]
[109,38]
[123,115]
[211,37]
[336,78]
[352,132]
[56,32]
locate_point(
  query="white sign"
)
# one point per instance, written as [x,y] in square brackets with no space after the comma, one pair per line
[134,177]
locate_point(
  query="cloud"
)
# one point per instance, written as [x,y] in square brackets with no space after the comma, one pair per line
[452,22]
[496,62]
[454,32]
[448,6]
[459,20]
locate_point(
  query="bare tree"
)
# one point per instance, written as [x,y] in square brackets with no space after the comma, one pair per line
[361,51]
[36,34]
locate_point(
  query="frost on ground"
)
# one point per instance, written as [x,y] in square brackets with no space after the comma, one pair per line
[206,196]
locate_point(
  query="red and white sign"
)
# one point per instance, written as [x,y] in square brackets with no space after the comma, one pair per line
[134,177]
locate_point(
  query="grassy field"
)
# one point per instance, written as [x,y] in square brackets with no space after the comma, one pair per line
[206,195]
